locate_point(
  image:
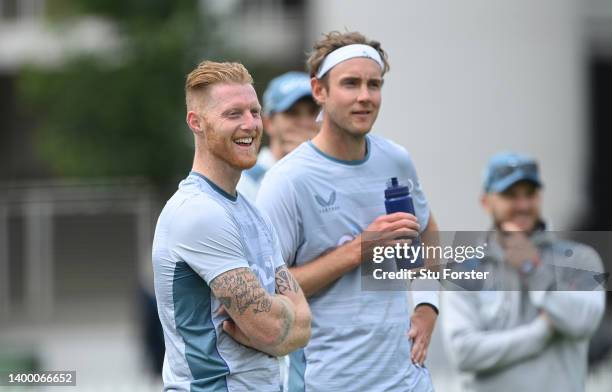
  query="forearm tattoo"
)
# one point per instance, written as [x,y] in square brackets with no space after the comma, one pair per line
[241,289]
[285,282]
[287,318]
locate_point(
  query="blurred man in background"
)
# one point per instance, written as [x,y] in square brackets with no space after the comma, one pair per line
[523,334]
[288,120]
[216,259]
[320,198]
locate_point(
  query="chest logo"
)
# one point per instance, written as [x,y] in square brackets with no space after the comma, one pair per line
[329,204]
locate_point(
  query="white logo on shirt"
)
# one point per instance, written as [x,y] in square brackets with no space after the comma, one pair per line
[265,277]
[345,238]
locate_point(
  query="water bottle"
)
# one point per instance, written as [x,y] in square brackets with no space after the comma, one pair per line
[398,199]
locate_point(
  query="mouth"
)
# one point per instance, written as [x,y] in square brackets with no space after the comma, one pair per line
[244,141]
[361,114]
[522,218]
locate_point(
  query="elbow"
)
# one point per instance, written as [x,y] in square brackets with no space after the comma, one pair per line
[302,330]
[305,330]
[464,363]
[464,359]
[582,330]
[583,327]
[468,367]
[299,335]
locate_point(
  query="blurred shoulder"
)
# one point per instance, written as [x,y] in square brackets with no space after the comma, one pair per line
[293,165]
[389,148]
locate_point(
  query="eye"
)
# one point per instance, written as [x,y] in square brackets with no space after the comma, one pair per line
[376,84]
[349,82]
[256,112]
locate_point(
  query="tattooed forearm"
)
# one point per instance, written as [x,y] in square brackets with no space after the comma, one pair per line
[287,319]
[285,282]
[226,301]
[263,306]
[285,322]
[241,289]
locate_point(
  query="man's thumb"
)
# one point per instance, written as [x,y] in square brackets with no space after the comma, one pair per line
[228,327]
[412,333]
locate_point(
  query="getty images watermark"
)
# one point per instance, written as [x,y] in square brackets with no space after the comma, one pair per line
[410,256]
[474,261]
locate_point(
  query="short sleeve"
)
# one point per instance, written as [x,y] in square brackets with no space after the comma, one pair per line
[204,236]
[421,205]
[277,252]
[277,199]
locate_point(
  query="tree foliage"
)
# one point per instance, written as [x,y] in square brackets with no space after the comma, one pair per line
[122,115]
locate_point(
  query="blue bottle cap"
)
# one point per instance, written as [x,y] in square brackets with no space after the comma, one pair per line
[395,189]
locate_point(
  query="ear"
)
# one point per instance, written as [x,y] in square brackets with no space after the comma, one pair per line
[319,91]
[267,125]
[194,122]
[485,202]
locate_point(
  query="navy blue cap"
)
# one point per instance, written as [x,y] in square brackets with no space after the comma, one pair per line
[506,169]
[285,90]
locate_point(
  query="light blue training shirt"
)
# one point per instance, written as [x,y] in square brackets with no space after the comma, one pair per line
[316,203]
[201,233]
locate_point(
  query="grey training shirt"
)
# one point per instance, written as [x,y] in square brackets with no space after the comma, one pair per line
[201,233]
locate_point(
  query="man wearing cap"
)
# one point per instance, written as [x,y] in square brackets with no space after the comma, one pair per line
[288,120]
[321,198]
[524,333]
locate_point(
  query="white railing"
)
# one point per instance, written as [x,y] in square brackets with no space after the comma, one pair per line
[37,204]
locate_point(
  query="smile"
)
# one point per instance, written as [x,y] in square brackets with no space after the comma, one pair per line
[244,141]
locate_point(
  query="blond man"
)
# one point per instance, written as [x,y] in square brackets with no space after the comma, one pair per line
[227,303]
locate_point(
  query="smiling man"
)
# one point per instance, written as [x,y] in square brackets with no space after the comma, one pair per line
[523,333]
[227,303]
[321,197]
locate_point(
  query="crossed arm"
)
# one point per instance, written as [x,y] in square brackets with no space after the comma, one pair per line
[275,324]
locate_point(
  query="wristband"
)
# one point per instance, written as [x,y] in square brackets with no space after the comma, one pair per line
[429,305]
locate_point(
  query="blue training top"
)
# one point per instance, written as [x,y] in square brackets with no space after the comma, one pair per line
[317,203]
[201,233]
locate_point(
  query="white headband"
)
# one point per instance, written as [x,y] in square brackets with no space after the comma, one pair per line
[348,52]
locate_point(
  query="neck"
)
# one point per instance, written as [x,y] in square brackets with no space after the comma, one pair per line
[219,172]
[276,148]
[339,143]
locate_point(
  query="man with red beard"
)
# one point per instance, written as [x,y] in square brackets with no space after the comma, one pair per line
[227,303]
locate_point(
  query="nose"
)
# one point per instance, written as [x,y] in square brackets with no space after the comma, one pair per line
[306,121]
[523,202]
[364,93]
[251,122]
